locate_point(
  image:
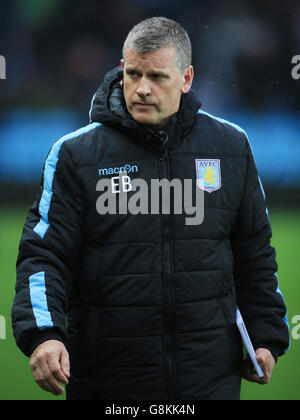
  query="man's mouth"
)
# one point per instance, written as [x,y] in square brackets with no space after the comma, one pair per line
[143,105]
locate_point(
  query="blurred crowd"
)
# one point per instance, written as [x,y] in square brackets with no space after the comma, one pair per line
[58,51]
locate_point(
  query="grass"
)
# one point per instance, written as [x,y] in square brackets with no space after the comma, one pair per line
[286,239]
[16,381]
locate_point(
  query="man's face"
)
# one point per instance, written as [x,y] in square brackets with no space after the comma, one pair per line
[153,85]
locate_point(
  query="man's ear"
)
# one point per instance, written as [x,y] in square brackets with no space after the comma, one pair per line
[121,72]
[188,79]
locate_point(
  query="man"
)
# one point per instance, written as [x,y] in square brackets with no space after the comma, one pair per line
[142,307]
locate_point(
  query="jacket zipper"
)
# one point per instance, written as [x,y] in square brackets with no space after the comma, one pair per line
[168,285]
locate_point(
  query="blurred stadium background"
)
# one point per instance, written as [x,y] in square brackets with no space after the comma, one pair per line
[57,53]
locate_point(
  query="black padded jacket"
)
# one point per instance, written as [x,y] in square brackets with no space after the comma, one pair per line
[145,303]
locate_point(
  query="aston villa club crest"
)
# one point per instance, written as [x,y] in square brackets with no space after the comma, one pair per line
[209,174]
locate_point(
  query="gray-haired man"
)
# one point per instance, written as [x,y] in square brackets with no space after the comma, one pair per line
[150,303]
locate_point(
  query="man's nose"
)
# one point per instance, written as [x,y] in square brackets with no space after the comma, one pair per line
[144,88]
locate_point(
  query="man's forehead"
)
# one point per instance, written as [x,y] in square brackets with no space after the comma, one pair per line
[161,58]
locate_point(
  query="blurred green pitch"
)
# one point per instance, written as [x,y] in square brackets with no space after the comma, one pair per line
[16,381]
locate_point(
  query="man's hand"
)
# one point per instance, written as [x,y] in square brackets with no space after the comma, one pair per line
[50,366]
[266,362]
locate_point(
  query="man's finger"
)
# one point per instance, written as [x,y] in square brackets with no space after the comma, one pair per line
[50,366]
[48,380]
[44,385]
[250,374]
[53,383]
[55,369]
[65,364]
[253,377]
[264,367]
[38,376]
[41,378]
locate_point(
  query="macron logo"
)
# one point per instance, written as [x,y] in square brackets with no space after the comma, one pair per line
[118,169]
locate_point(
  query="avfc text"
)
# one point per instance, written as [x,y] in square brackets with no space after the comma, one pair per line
[296,69]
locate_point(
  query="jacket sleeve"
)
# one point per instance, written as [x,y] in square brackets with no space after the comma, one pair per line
[48,254]
[259,297]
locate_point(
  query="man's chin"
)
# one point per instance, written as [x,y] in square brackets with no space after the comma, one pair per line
[145,120]
[149,121]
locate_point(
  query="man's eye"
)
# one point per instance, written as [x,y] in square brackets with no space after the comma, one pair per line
[157,76]
[132,73]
